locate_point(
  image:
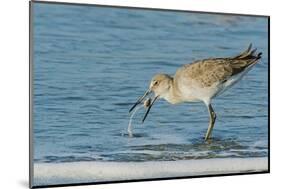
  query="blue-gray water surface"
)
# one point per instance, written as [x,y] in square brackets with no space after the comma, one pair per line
[92,63]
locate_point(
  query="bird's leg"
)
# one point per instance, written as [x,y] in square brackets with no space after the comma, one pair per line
[212,120]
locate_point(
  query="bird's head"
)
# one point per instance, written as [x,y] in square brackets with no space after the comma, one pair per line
[159,85]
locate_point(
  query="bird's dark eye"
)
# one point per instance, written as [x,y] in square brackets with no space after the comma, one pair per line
[156,83]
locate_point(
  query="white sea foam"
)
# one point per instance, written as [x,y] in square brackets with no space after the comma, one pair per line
[77,172]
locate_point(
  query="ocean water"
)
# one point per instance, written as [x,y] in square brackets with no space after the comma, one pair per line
[90,64]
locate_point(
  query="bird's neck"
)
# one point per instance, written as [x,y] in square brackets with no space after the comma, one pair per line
[172,96]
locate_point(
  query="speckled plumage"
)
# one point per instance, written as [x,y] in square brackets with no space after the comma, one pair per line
[209,71]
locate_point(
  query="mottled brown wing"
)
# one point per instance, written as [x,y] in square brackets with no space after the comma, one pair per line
[209,71]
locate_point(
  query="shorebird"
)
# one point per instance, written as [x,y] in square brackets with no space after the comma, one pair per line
[200,81]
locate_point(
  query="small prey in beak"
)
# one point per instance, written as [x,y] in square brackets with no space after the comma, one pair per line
[140,100]
[146,103]
[148,106]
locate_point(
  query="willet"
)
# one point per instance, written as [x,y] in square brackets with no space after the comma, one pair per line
[201,81]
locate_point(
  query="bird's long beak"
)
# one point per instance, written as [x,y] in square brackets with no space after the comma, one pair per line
[149,107]
[140,100]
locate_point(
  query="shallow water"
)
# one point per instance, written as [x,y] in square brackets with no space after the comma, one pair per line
[92,63]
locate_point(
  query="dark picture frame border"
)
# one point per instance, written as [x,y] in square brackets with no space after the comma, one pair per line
[31,165]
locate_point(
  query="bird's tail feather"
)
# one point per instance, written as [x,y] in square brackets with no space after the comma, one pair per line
[249,54]
[244,60]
